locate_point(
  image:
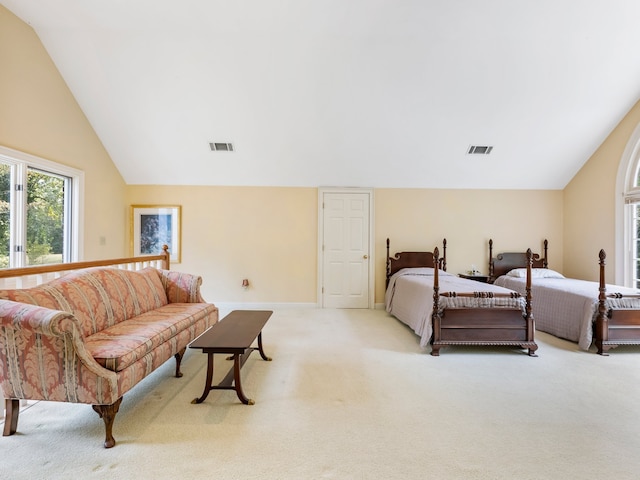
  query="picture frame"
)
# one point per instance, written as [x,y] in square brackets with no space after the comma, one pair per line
[153,226]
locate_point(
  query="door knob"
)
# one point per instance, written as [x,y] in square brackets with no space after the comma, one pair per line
[365,256]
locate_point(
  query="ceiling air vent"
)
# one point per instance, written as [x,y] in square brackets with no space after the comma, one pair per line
[479,150]
[221,147]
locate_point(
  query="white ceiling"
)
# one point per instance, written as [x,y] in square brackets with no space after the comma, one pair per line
[370,93]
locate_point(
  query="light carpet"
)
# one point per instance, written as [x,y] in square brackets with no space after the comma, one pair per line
[350,395]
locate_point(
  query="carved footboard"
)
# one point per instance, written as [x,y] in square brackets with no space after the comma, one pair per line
[617,317]
[483,318]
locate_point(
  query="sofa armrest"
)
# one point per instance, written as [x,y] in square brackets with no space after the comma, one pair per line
[181,287]
[43,357]
[42,320]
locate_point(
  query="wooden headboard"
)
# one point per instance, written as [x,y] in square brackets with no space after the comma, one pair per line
[414,260]
[502,263]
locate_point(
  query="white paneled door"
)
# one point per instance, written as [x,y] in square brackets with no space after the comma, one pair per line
[345,249]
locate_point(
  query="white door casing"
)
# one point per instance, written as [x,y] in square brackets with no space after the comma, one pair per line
[345,248]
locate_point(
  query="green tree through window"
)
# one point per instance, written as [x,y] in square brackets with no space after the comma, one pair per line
[45,217]
[5,214]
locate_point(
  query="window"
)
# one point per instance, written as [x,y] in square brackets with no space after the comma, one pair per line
[628,216]
[632,227]
[633,211]
[39,210]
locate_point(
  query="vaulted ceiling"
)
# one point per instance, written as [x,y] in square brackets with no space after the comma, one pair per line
[370,93]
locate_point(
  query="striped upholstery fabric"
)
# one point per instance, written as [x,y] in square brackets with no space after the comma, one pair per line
[91,335]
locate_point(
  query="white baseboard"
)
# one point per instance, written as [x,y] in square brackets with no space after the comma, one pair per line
[228,306]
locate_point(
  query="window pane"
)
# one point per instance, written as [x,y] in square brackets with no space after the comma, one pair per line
[45,218]
[635,243]
[5,214]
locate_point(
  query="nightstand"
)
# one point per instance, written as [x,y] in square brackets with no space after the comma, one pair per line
[477,277]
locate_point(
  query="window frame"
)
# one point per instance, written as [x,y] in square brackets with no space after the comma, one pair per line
[74,201]
[631,200]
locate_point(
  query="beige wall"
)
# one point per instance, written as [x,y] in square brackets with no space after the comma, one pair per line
[269,235]
[418,219]
[589,206]
[39,116]
[265,234]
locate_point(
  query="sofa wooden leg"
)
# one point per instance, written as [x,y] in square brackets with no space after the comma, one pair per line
[178,357]
[12,409]
[108,414]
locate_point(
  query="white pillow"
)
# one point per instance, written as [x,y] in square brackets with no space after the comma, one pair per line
[423,271]
[535,273]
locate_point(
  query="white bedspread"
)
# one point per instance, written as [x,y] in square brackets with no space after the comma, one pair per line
[409,297]
[565,307]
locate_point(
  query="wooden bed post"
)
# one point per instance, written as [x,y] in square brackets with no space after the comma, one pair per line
[435,317]
[491,279]
[388,265]
[601,331]
[528,317]
[444,256]
[545,262]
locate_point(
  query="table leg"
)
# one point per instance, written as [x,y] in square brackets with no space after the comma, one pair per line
[207,385]
[262,354]
[237,365]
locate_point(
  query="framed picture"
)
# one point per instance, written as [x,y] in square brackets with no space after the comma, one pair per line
[153,226]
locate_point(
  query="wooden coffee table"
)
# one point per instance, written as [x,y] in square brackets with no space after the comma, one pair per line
[233,335]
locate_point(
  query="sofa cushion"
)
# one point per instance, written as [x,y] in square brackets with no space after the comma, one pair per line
[123,344]
[99,297]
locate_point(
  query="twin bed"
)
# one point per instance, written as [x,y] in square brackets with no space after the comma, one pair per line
[444,309]
[577,310]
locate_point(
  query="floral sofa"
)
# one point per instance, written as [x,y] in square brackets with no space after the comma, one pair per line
[91,335]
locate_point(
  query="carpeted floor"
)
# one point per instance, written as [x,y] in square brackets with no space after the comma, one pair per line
[350,395]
